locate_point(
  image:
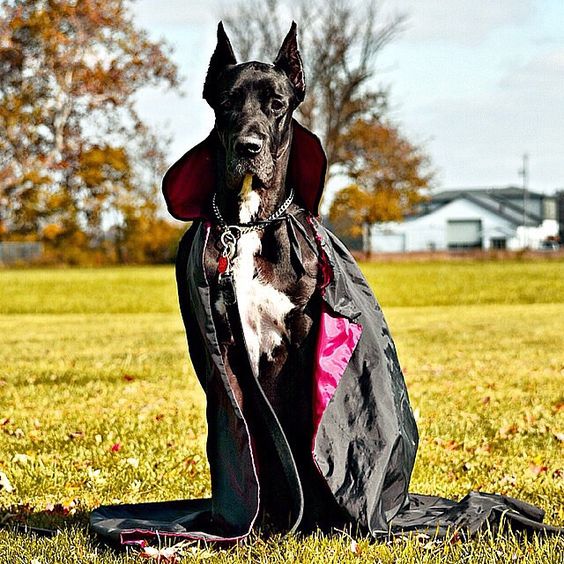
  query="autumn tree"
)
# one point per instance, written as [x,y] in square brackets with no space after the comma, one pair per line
[390,177]
[339,42]
[73,151]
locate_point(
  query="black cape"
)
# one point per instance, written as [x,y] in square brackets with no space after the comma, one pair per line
[365,436]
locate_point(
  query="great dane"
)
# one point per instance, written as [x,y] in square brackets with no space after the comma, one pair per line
[253,105]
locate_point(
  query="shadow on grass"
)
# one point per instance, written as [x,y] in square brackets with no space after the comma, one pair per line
[48,522]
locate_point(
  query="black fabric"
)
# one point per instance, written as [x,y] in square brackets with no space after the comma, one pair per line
[365,444]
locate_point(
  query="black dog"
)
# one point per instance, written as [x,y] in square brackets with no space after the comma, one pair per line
[309,421]
[253,105]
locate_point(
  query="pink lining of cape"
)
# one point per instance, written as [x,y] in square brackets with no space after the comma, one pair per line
[189,183]
[337,339]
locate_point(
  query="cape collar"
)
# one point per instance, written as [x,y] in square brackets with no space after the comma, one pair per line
[189,183]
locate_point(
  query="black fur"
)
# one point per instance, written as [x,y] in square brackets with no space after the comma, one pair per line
[253,104]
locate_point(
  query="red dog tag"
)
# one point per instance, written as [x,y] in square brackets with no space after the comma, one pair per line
[222,264]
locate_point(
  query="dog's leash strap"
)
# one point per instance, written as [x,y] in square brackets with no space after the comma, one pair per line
[265,413]
[295,252]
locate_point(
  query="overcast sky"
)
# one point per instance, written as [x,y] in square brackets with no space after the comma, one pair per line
[476,82]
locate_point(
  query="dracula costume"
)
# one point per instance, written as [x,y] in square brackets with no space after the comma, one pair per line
[365,435]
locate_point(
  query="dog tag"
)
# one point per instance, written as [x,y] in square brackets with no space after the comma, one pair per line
[222,264]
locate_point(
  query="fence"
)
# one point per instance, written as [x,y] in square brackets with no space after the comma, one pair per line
[20,252]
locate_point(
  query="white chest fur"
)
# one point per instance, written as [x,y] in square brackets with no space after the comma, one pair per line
[262,307]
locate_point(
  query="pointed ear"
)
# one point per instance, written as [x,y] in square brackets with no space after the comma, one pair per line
[289,60]
[221,58]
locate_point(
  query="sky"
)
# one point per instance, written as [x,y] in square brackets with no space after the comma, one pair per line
[476,83]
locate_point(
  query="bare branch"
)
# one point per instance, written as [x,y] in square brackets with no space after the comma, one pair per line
[340,43]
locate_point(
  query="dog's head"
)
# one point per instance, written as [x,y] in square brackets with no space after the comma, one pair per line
[253,104]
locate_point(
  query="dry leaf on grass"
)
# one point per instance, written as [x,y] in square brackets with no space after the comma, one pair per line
[161,555]
[5,485]
[537,469]
[508,431]
[354,548]
[20,458]
[172,554]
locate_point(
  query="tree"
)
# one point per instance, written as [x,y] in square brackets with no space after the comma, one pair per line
[339,43]
[73,151]
[390,177]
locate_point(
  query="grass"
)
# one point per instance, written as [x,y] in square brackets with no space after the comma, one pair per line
[98,404]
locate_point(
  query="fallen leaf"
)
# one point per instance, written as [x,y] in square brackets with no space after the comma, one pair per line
[4,421]
[484,449]
[94,474]
[5,483]
[559,407]
[128,377]
[508,431]
[530,418]
[354,548]
[62,509]
[537,469]
[116,447]
[559,437]
[167,555]
[451,444]
[486,400]
[508,479]
[76,435]
[133,462]
[22,459]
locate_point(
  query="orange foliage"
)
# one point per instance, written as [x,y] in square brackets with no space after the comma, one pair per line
[73,152]
[390,176]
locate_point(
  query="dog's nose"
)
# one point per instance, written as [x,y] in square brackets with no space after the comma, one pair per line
[248,146]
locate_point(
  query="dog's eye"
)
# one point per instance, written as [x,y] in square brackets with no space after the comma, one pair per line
[226,104]
[276,105]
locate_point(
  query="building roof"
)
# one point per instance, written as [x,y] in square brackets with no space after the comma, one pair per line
[505,202]
[512,192]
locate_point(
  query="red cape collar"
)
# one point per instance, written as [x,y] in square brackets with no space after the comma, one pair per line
[189,182]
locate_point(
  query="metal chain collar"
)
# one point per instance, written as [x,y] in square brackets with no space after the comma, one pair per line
[231,233]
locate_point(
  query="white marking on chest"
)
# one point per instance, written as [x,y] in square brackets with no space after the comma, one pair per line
[262,307]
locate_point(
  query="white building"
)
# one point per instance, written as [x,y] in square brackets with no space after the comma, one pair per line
[481,218]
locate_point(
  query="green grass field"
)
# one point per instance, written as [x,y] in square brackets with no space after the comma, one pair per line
[99,404]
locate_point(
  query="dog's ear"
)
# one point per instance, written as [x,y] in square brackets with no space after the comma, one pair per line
[289,60]
[222,57]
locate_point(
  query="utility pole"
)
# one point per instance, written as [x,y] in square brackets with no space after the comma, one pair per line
[524,172]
